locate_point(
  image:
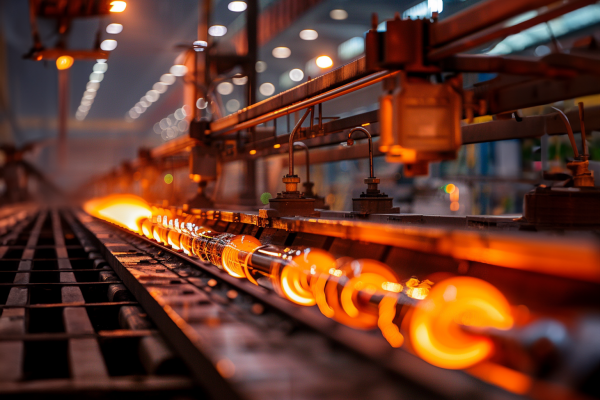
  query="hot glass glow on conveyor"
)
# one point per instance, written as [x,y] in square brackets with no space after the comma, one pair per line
[362,294]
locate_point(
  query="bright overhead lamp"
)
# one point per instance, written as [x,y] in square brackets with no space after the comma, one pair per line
[178,70]
[296,75]
[100,67]
[117,6]
[267,89]
[167,79]
[308,34]
[338,14]
[324,62]
[217,30]
[225,88]
[114,29]
[108,45]
[281,52]
[237,6]
[64,62]
[240,80]
[261,66]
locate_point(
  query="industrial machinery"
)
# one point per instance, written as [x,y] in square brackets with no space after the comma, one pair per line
[130,288]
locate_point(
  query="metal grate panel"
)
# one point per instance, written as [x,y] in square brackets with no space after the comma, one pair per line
[68,325]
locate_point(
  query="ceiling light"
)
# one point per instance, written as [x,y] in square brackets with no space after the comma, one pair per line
[201,103]
[199,45]
[183,126]
[133,114]
[237,6]
[87,102]
[240,80]
[92,86]
[101,60]
[179,114]
[100,67]
[114,28]
[324,62]
[178,70]
[296,75]
[165,123]
[225,88]
[217,30]
[96,77]
[160,87]
[261,66]
[108,45]
[232,105]
[308,34]
[64,62]
[89,94]
[267,89]
[152,95]
[281,52]
[167,79]
[117,6]
[338,14]
[144,102]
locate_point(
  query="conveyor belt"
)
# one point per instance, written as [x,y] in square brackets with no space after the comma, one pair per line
[255,339]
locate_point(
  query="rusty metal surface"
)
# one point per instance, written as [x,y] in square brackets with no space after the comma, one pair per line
[512,93]
[494,32]
[575,257]
[480,16]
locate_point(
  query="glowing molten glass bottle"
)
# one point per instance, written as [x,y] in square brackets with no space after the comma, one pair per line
[436,331]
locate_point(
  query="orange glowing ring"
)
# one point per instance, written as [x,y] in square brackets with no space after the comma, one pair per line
[368,276]
[435,326]
[186,243]
[148,228]
[239,246]
[297,278]
[163,233]
[174,239]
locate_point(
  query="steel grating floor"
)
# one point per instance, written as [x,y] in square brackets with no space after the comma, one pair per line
[67,324]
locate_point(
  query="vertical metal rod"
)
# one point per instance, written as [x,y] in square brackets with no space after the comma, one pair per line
[320,117]
[205,23]
[582,124]
[312,118]
[251,35]
[291,142]
[304,147]
[63,109]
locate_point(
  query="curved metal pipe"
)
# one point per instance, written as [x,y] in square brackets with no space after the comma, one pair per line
[291,142]
[351,142]
[305,148]
[569,131]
